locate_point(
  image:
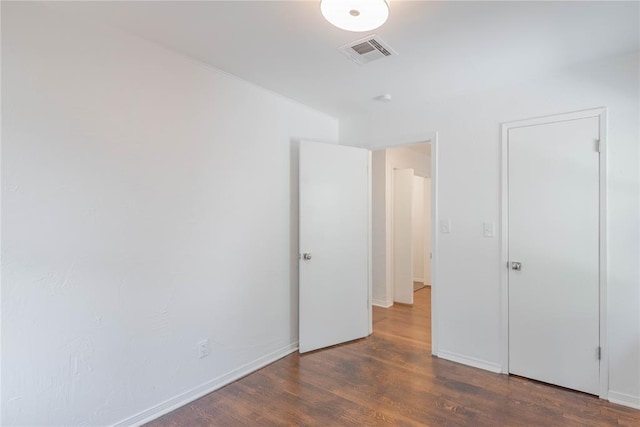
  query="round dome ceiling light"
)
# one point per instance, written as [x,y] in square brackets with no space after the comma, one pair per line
[355,15]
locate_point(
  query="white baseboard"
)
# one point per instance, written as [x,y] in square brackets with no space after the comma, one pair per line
[624,399]
[381,303]
[421,280]
[189,396]
[470,361]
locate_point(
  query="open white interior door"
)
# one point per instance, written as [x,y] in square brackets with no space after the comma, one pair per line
[334,244]
[403,236]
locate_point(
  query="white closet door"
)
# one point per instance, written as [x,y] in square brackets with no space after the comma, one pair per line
[403,236]
[553,208]
[427,231]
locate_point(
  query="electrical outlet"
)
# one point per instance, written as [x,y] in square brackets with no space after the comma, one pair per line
[203,348]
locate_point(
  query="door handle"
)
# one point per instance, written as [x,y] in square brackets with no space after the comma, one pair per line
[306,256]
[516,266]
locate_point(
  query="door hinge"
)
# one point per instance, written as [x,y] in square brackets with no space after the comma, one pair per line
[597,145]
[599,353]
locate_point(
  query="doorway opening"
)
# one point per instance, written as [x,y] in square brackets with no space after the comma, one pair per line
[403,238]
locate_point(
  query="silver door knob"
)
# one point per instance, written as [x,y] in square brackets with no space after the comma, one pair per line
[516,266]
[306,256]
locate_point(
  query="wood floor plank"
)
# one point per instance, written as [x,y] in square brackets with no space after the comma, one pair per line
[391,379]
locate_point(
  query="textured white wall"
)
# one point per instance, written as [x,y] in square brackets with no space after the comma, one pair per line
[146,205]
[469,193]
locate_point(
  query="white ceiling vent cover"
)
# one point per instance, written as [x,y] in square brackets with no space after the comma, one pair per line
[368,49]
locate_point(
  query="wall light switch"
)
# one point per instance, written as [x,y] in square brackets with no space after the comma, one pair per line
[445,226]
[489,229]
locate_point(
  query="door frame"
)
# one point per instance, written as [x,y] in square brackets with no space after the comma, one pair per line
[431,138]
[601,113]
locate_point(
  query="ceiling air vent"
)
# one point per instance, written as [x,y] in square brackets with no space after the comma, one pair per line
[365,50]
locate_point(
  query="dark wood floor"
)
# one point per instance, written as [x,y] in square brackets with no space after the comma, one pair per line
[391,378]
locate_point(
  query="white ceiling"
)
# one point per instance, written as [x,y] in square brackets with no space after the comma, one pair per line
[445,48]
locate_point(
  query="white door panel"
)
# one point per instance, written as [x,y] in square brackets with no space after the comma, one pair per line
[334,230]
[403,236]
[417,218]
[553,208]
[427,231]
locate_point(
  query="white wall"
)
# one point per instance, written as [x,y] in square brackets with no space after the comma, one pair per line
[469,193]
[146,205]
[408,158]
[383,164]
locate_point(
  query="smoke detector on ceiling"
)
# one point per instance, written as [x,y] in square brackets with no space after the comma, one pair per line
[383,98]
[367,49]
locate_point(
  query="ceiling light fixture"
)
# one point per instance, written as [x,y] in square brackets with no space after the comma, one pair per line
[355,15]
